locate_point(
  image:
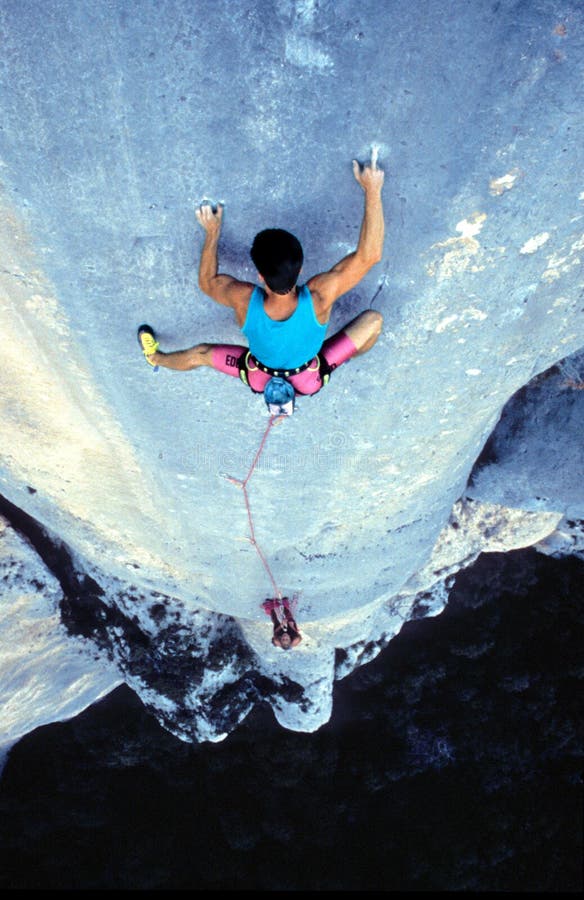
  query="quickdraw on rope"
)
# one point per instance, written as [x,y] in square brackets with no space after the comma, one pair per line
[243,485]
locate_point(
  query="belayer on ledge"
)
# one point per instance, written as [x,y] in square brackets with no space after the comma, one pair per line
[284,323]
[281,611]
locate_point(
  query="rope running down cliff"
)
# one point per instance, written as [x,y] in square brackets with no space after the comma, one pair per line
[243,485]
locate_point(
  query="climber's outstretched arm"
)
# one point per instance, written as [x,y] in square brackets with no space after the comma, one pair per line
[222,288]
[329,286]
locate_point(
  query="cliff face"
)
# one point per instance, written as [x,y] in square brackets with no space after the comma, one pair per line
[117,120]
[46,673]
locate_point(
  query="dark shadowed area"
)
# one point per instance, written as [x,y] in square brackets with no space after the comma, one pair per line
[452,762]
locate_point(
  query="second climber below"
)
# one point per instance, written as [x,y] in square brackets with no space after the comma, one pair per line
[285,324]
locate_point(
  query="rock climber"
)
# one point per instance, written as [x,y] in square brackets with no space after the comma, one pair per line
[285,323]
[281,612]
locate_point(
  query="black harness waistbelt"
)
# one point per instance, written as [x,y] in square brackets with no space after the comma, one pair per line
[248,363]
[252,363]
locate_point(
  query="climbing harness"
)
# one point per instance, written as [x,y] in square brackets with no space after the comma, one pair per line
[248,363]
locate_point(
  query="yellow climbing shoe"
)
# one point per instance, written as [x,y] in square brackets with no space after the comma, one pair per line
[148,343]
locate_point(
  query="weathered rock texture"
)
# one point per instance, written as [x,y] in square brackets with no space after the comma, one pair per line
[117,119]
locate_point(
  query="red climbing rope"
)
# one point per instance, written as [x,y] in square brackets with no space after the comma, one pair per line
[243,484]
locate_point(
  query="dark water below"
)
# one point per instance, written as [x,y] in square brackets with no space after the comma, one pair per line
[453,762]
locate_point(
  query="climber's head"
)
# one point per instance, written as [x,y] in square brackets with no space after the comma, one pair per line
[278,257]
[285,641]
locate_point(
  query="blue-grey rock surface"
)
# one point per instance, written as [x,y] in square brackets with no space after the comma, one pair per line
[117,119]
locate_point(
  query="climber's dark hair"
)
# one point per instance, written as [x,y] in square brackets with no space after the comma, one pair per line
[278,257]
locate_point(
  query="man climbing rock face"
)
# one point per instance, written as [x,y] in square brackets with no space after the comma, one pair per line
[285,323]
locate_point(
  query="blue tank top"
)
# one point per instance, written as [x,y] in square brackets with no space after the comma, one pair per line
[287,344]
